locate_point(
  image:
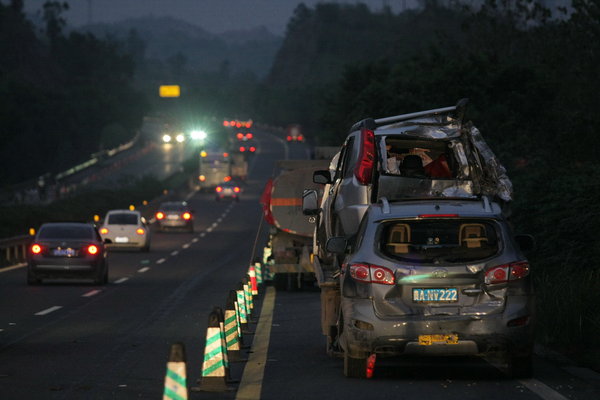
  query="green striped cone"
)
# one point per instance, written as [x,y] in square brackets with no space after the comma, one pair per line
[175,378]
[231,336]
[266,254]
[241,300]
[248,298]
[239,324]
[214,375]
[258,271]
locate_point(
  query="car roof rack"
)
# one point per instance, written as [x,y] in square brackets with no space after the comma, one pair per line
[371,123]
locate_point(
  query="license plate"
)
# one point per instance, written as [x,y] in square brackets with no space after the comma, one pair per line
[428,340]
[64,252]
[121,239]
[437,295]
[172,216]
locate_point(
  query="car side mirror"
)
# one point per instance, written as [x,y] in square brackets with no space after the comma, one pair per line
[337,245]
[525,242]
[143,220]
[310,202]
[107,241]
[322,177]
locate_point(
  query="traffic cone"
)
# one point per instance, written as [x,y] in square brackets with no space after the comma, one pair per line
[175,379]
[214,375]
[258,272]
[253,282]
[241,301]
[219,312]
[232,338]
[248,298]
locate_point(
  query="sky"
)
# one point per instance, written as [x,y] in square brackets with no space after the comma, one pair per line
[215,16]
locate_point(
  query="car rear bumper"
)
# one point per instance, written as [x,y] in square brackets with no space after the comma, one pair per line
[48,268]
[477,335]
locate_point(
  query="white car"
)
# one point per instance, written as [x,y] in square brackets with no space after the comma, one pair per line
[125,229]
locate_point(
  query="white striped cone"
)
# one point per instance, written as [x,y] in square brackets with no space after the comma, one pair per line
[241,300]
[214,375]
[248,298]
[224,345]
[258,272]
[175,378]
[239,323]
[232,338]
[253,284]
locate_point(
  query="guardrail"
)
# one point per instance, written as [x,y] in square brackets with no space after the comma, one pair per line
[14,250]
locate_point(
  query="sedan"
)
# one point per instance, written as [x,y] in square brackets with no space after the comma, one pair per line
[67,250]
[228,190]
[126,229]
[175,215]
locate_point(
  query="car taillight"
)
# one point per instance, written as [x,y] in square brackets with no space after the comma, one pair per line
[160,215]
[92,249]
[140,231]
[236,189]
[249,136]
[240,136]
[289,138]
[300,138]
[366,159]
[242,149]
[252,149]
[219,189]
[103,231]
[507,272]
[227,179]
[36,249]
[186,216]
[372,274]
[202,178]
[438,216]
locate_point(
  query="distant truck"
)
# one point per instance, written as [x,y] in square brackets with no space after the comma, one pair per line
[214,169]
[291,235]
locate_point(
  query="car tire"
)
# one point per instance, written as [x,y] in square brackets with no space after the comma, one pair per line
[355,367]
[146,248]
[519,367]
[32,279]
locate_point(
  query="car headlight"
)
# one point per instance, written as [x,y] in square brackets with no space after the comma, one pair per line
[166,138]
[180,138]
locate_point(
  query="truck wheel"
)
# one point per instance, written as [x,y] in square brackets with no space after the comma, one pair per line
[355,367]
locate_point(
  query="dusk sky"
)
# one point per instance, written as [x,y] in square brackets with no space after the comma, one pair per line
[213,15]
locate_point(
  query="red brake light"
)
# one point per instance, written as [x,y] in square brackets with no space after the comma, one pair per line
[160,215]
[186,216]
[225,123]
[219,189]
[236,189]
[300,138]
[36,249]
[225,155]
[140,231]
[103,231]
[372,274]
[507,272]
[240,136]
[238,124]
[289,138]
[366,160]
[249,136]
[227,179]
[92,249]
[252,149]
[438,216]
[242,149]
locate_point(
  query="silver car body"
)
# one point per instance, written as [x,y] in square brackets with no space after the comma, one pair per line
[125,229]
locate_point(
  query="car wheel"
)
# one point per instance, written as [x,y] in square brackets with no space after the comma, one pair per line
[31,278]
[146,248]
[519,367]
[355,367]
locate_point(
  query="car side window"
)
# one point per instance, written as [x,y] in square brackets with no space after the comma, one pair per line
[338,169]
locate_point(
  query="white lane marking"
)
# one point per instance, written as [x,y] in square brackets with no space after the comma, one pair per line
[219,220]
[224,214]
[214,225]
[185,246]
[202,234]
[195,240]
[121,280]
[91,293]
[251,383]
[142,270]
[175,252]
[189,196]
[209,229]
[13,267]
[48,310]
[542,390]
[160,261]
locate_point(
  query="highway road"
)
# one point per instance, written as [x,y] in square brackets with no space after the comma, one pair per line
[75,340]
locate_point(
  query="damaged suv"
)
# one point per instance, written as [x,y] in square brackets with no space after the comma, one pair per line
[442,277]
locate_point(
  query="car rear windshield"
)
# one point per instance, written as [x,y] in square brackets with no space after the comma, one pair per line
[66,232]
[123,219]
[172,207]
[427,241]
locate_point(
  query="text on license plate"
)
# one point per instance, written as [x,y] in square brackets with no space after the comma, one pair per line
[448,295]
[121,239]
[64,252]
[428,340]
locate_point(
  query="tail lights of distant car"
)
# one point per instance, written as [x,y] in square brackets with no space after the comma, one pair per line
[160,215]
[36,248]
[300,138]
[239,136]
[249,136]
[368,273]
[289,138]
[187,216]
[242,149]
[92,249]
[103,231]
[227,179]
[236,189]
[219,189]
[140,231]
[507,272]
[252,149]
